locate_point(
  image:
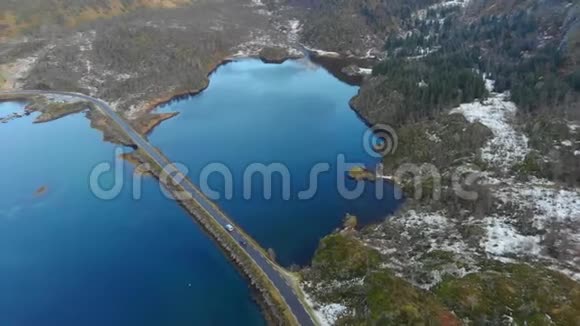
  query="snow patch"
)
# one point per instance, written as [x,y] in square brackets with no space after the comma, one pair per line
[330,313]
[432,137]
[412,218]
[571,274]
[365,71]
[539,206]
[56,98]
[323,53]
[503,238]
[544,199]
[451,3]
[423,52]
[90,80]
[422,13]
[507,147]
[294,30]
[327,314]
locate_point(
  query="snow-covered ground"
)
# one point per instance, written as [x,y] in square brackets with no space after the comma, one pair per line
[502,239]
[423,52]
[323,53]
[61,98]
[536,204]
[451,3]
[522,213]
[294,31]
[326,314]
[91,77]
[404,239]
[508,146]
[535,220]
[544,208]
[422,13]
[545,199]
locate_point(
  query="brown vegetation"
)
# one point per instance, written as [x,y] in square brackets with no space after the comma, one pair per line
[147,122]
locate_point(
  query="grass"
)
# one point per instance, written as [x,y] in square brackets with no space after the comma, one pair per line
[346,271]
[381,298]
[528,294]
[393,301]
[342,257]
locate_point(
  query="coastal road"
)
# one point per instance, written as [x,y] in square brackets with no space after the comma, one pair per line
[272,271]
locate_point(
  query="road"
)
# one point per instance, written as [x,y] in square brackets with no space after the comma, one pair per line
[273,272]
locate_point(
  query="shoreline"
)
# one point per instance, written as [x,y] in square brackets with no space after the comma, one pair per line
[155,103]
[332,65]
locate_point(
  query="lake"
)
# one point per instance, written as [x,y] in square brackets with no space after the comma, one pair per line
[69,258]
[295,114]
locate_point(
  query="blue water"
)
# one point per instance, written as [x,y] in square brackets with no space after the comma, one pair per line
[68,258]
[296,114]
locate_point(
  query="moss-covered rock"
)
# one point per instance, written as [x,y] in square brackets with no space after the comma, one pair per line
[342,257]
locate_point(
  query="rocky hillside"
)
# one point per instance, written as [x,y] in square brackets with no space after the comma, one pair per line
[28,16]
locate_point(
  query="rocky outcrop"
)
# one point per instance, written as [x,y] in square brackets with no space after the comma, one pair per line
[275,55]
